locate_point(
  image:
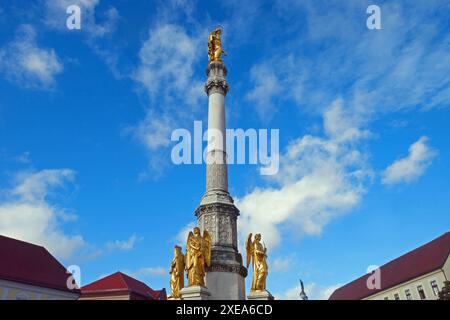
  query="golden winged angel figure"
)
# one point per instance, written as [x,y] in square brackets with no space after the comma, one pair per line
[177,273]
[258,252]
[215,49]
[198,256]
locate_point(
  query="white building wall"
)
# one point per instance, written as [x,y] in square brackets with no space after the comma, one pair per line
[10,290]
[439,276]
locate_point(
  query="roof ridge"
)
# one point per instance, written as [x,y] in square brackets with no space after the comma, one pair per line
[23,241]
[416,249]
[130,281]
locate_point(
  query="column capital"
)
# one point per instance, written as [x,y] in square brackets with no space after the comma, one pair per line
[216,68]
[216,83]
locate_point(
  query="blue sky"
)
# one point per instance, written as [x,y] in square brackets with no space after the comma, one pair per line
[86,117]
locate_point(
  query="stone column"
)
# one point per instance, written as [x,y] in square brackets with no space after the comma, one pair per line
[225,278]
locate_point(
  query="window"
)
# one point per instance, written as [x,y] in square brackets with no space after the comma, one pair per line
[408,294]
[434,287]
[21,296]
[396,296]
[421,292]
[386,298]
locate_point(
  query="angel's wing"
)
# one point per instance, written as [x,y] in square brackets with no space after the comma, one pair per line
[190,236]
[187,257]
[249,248]
[207,248]
[181,261]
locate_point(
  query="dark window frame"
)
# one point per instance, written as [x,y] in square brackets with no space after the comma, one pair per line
[434,287]
[421,292]
[408,294]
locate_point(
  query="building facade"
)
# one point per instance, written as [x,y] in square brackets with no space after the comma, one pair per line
[30,272]
[424,287]
[417,275]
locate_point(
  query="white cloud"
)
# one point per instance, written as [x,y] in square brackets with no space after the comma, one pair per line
[272,85]
[56,16]
[181,237]
[152,271]
[166,60]
[146,272]
[312,290]
[319,179]
[27,215]
[412,166]
[375,73]
[123,244]
[24,158]
[166,72]
[34,187]
[155,130]
[24,62]
[97,28]
[266,87]
[281,264]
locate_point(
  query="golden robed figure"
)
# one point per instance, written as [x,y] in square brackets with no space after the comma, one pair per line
[177,273]
[198,256]
[215,49]
[258,254]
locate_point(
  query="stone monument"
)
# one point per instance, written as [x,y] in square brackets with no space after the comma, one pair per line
[225,277]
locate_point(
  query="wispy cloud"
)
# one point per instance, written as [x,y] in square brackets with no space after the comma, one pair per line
[56,16]
[379,71]
[313,290]
[124,245]
[167,60]
[97,27]
[27,214]
[266,86]
[166,73]
[24,62]
[152,271]
[182,235]
[375,73]
[412,166]
[148,272]
[281,264]
[319,179]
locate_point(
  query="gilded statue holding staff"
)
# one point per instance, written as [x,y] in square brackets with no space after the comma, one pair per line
[257,254]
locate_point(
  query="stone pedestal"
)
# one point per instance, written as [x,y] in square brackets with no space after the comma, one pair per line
[225,278]
[260,295]
[195,293]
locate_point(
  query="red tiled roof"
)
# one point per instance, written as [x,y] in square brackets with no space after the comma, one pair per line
[31,264]
[121,282]
[420,261]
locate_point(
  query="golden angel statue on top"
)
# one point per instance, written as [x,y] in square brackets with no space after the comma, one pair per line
[198,256]
[215,49]
[258,254]
[177,273]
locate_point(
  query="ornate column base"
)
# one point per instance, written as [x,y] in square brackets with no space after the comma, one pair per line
[226,282]
[260,295]
[225,278]
[195,293]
